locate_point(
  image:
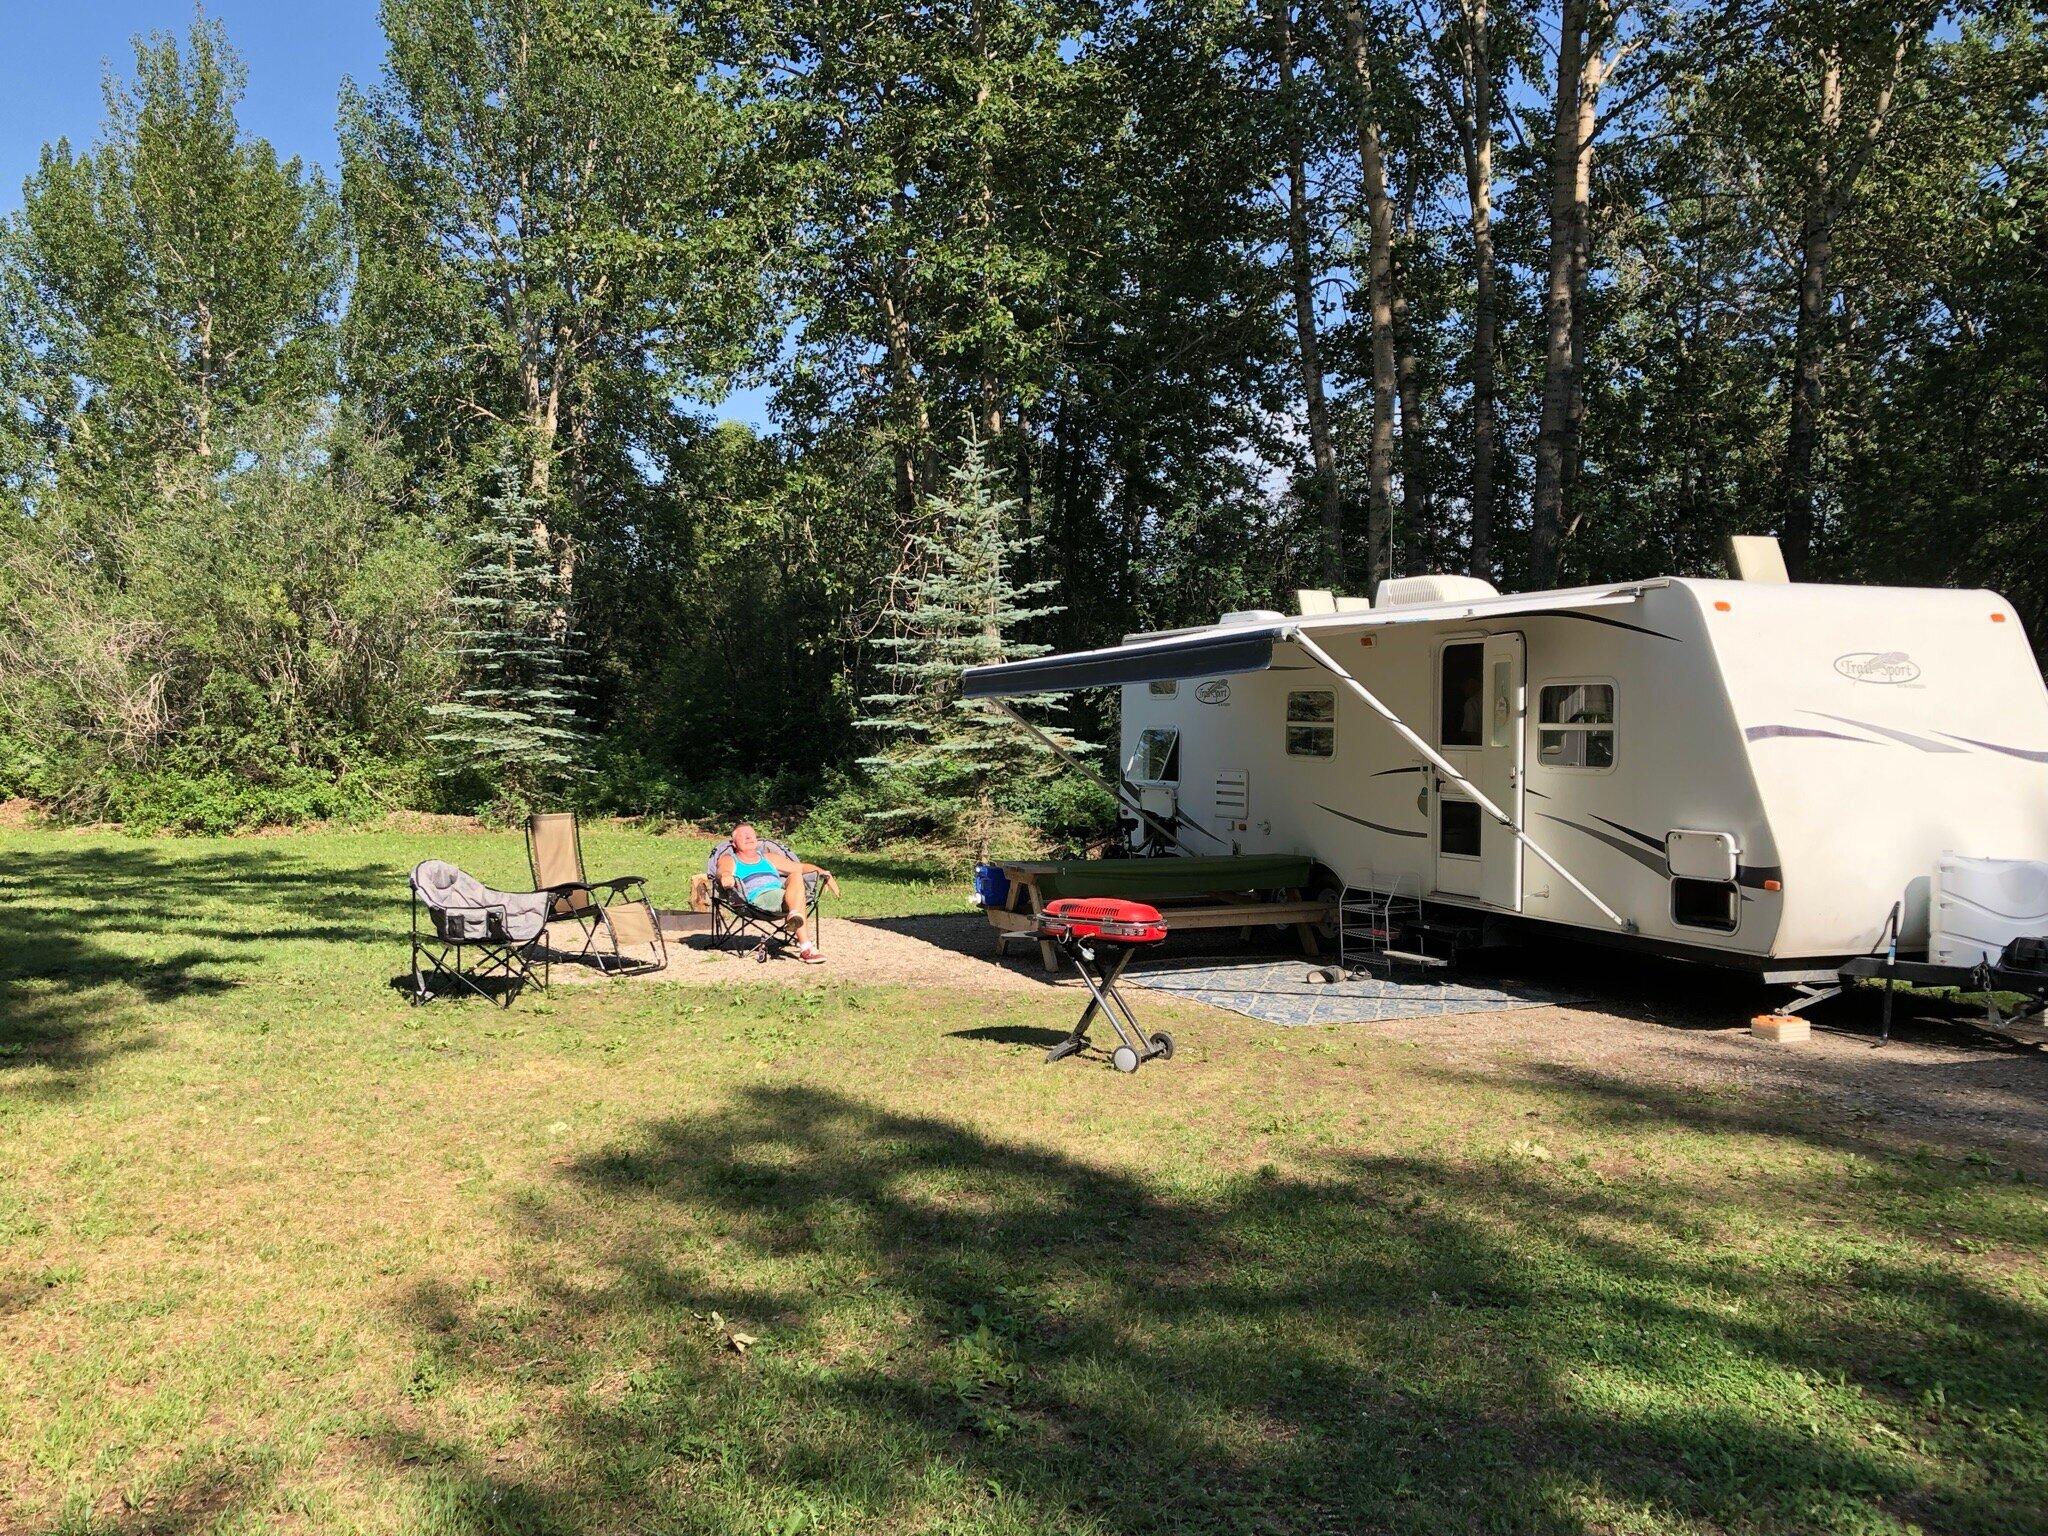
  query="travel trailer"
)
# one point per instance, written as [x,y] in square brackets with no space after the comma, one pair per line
[1751,773]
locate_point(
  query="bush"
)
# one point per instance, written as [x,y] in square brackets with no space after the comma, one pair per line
[1063,810]
[628,781]
[1069,808]
[253,647]
[181,796]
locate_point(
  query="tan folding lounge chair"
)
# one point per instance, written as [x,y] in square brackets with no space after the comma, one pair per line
[615,915]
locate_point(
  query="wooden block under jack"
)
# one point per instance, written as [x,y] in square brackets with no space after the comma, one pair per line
[1785,1028]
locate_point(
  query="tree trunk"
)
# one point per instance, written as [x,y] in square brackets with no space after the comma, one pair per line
[1592,74]
[1379,212]
[989,425]
[913,423]
[1552,445]
[1322,446]
[1417,504]
[1816,246]
[1477,138]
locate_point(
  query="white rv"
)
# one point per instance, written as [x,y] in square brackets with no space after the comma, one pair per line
[1749,773]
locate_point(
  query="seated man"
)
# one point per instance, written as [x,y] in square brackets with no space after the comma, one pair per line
[771,882]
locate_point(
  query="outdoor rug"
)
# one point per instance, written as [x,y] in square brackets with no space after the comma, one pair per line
[1279,992]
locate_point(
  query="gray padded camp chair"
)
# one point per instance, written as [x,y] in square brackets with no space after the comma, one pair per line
[735,917]
[473,934]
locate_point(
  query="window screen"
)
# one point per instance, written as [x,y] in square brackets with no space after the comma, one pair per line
[1457,828]
[1312,724]
[1157,760]
[1575,725]
[1461,712]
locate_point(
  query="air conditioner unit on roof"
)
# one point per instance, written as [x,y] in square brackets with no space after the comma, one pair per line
[1414,591]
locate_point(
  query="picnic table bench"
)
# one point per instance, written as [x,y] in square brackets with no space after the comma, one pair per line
[1241,891]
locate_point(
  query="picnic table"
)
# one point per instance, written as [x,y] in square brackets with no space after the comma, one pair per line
[1240,891]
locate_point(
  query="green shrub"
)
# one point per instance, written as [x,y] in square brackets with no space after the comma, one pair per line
[179,797]
[1069,809]
[629,781]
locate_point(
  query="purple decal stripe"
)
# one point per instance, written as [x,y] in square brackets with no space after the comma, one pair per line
[1919,742]
[2031,754]
[1766,732]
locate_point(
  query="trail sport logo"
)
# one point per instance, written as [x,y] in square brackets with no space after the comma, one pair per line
[1214,692]
[1877,667]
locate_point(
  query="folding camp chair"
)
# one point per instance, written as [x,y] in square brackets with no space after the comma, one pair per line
[615,915]
[733,917]
[474,934]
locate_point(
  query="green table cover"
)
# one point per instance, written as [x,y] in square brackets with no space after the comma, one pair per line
[1142,879]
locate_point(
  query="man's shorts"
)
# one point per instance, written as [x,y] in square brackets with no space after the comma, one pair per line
[770,898]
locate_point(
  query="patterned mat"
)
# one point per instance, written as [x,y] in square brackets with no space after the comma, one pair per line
[1279,992]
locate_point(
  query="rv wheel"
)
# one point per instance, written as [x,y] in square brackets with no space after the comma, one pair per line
[1328,888]
[1124,1059]
[1163,1044]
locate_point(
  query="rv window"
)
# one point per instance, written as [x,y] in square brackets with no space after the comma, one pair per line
[1575,725]
[1165,689]
[1312,724]
[1461,710]
[1457,830]
[1157,760]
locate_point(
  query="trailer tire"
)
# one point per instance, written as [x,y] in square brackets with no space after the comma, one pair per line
[1324,886]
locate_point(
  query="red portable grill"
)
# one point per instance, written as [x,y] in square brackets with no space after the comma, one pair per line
[1083,929]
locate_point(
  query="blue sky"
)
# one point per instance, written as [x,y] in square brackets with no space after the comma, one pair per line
[53,54]
[297,51]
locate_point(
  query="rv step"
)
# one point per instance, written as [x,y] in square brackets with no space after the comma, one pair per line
[1408,957]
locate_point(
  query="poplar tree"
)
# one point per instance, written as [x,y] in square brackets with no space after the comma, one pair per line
[162,284]
[554,248]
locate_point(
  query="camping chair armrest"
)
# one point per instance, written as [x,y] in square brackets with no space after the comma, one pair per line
[567,888]
[620,882]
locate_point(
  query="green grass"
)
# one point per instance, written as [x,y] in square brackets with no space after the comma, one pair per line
[278,1252]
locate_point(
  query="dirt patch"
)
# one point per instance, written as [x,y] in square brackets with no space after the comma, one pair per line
[1655,1039]
[18,815]
[950,950]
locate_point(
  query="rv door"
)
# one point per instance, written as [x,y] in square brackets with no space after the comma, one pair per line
[1481,709]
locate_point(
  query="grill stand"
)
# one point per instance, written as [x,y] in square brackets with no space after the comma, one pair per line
[1135,1047]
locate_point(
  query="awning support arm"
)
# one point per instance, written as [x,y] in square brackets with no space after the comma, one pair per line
[1442,766]
[1122,795]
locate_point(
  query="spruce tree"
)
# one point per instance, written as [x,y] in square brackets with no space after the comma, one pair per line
[513,725]
[947,759]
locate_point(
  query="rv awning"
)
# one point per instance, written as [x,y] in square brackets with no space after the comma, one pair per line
[1221,650]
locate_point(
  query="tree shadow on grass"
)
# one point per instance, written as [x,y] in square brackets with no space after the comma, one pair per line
[100,937]
[969,1334]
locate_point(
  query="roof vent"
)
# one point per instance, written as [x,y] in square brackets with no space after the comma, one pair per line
[1253,616]
[1414,591]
